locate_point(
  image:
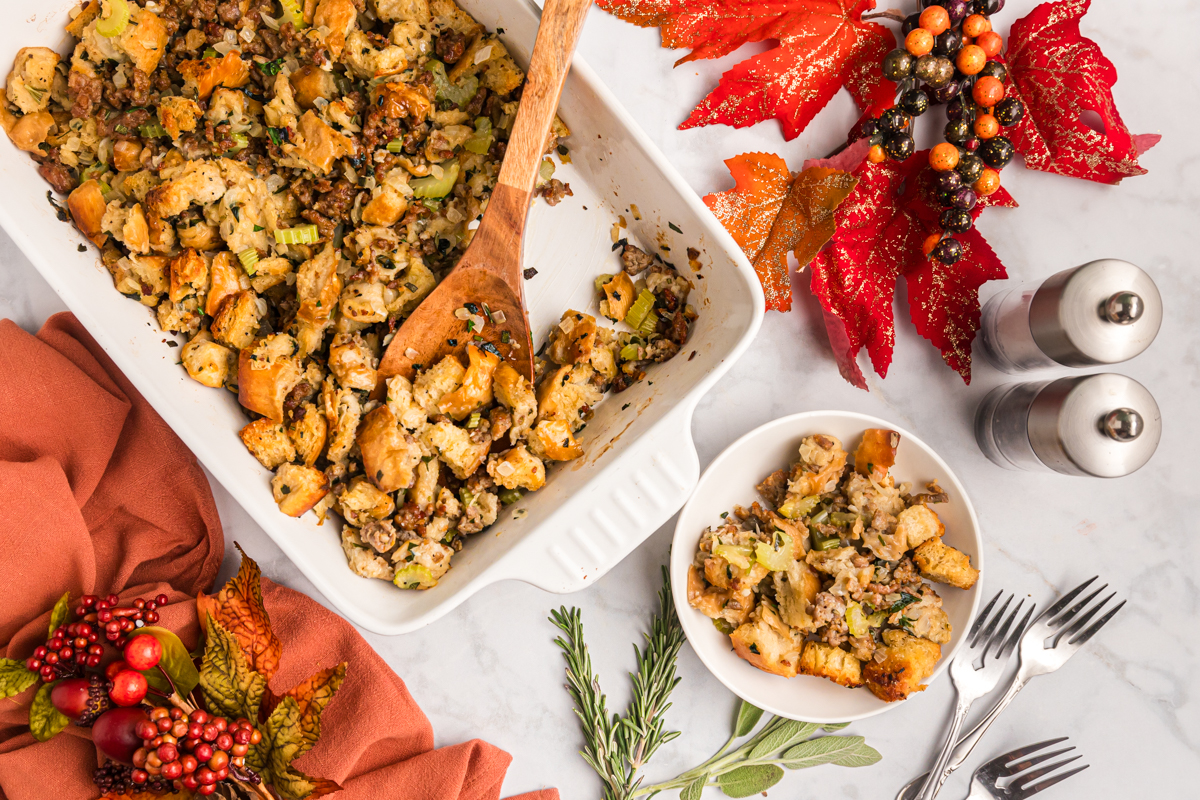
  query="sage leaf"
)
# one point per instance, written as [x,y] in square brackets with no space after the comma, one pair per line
[747,717]
[62,609]
[786,735]
[692,790]
[176,662]
[15,677]
[230,686]
[751,780]
[845,751]
[45,721]
[835,726]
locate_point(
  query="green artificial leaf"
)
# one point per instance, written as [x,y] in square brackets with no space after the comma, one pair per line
[747,781]
[45,721]
[748,716]
[835,726]
[15,677]
[176,661]
[286,741]
[784,736]
[692,790]
[62,610]
[845,751]
[230,686]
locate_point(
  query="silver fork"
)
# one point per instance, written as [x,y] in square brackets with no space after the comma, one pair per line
[990,644]
[1043,650]
[985,783]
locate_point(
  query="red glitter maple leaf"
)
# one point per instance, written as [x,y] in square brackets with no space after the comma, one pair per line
[880,230]
[820,46]
[1059,75]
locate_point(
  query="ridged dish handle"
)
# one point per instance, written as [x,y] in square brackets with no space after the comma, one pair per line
[649,485]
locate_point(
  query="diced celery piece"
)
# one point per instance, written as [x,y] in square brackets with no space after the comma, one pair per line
[545,171]
[776,556]
[649,324]
[795,508]
[301,234]
[395,146]
[481,141]
[856,620]
[737,554]
[723,625]
[414,576]
[601,280]
[249,257]
[293,12]
[457,93]
[433,188]
[510,496]
[640,309]
[152,130]
[631,352]
[116,21]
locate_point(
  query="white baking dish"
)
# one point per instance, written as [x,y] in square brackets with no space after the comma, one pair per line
[640,465]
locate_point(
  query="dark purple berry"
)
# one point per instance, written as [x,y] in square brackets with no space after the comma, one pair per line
[949,181]
[955,220]
[910,24]
[965,198]
[957,131]
[950,91]
[954,108]
[947,251]
[957,9]
[947,43]
[996,152]
[970,167]
[899,146]
[1009,111]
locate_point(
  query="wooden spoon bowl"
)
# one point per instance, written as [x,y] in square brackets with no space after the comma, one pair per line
[489,276]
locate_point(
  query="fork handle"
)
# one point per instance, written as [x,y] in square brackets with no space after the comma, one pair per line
[932,785]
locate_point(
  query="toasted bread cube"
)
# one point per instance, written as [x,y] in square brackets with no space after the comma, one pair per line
[425,489]
[514,393]
[572,339]
[400,401]
[227,279]
[389,453]
[178,115]
[436,382]
[940,562]
[237,321]
[203,75]
[796,590]
[906,662]
[917,525]
[208,362]
[297,489]
[308,434]
[420,563]
[268,442]
[189,276]
[767,643]
[362,503]
[266,373]
[144,39]
[456,448]
[363,560]
[87,206]
[566,393]
[401,10]
[826,661]
[28,86]
[517,468]
[552,440]
[476,389]
[352,362]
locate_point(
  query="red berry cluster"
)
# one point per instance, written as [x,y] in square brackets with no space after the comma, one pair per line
[195,752]
[117,621]
[68,650]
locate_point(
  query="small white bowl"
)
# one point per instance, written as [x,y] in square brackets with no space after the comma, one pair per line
[730,481]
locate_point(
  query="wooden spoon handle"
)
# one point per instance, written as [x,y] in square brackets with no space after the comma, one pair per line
[548,66]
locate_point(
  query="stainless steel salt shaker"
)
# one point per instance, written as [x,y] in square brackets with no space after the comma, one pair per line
[1103,425]
[1103,312]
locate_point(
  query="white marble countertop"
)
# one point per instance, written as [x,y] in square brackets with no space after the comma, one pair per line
[489,668]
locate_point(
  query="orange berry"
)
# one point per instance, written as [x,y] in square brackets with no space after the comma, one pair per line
[931,241]
[988,91]
[971,59]
[876,154]
[987,183]
[935,19]
[943,157]
[991,43]
[919,41]
[976,24]
[986,126]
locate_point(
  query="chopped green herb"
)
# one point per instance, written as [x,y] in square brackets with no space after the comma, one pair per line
[674,227]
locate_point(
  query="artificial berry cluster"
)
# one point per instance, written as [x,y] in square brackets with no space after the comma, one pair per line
[118,621]
[948,57]
[117,779]
[194,752]
[68,650]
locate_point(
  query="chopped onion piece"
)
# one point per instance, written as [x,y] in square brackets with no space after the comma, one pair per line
[483,54]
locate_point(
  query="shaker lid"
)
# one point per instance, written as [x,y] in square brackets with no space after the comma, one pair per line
[1103,312]
[1103,425]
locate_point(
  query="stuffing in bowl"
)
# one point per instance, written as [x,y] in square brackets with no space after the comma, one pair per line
[829,574]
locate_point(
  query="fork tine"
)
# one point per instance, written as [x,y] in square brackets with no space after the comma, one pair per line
[1033,761]
[1063,601]
[1070,613]
[997,641]
[1017,633]
[1025,779]
[1046,784]
[983,615]
[1083,620]
[1080,638]
[985,636]
[1021,752]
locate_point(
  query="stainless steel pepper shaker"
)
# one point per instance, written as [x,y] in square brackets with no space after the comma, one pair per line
[1103,312]
[1104,425]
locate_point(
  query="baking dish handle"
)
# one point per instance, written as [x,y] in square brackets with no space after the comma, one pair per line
[647,487]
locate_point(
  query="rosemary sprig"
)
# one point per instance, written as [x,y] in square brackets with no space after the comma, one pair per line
[617,747]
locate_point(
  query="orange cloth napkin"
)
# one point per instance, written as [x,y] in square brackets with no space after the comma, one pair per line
[98,495]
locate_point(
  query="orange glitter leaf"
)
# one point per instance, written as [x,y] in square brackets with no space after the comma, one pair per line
[819,47]
[760,184]
[238,607]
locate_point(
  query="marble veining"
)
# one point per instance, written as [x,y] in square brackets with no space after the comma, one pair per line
[489,670]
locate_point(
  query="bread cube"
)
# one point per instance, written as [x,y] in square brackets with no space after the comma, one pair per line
[826,661]
[266,373]
[916,525]
[517,468]
[308,434]
[456,448]
[940,562]
[907,660]
[389,453]
[768,643]
[297,489]
[268,441]
[207,362]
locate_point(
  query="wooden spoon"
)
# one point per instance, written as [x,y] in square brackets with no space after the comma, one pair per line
[489,274]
